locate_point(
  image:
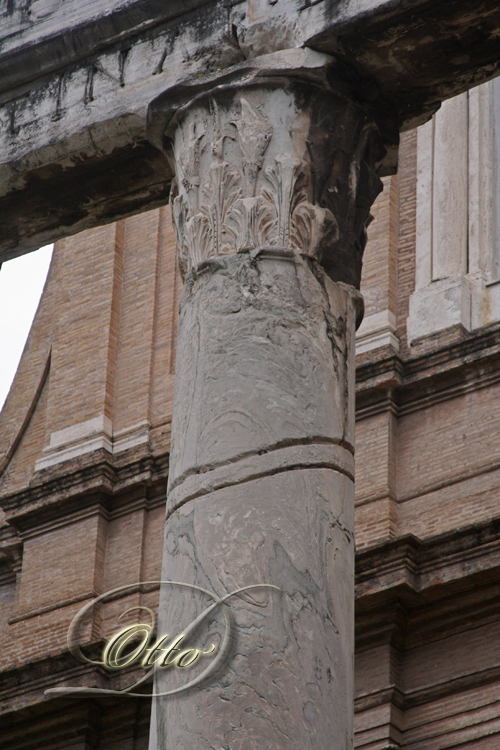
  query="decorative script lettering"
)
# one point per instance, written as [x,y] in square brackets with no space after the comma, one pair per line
[122,650]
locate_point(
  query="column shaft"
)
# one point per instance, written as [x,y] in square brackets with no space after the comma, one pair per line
[275,176]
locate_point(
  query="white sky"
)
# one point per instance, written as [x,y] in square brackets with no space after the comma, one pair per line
[21,284]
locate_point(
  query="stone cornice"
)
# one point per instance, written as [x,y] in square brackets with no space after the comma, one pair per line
[26,60]
[439,583]
[83,486]
[25,684]
[445,371]
[407,699]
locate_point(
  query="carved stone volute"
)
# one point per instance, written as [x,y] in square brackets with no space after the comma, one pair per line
[275,157]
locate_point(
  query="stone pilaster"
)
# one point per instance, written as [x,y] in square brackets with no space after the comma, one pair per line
[275,176]
[457,259]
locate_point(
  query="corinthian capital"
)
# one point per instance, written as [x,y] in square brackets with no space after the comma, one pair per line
[276,152]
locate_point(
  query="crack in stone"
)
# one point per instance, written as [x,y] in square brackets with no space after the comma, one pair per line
[286,443]
[202,492]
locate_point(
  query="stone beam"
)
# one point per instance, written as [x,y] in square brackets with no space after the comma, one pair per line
[77,78]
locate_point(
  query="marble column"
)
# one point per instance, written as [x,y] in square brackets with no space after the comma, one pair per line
[276,170]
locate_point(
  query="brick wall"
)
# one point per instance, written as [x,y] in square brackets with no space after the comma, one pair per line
[84,498]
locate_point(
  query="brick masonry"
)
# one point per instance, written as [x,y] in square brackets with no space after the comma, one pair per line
[84,443]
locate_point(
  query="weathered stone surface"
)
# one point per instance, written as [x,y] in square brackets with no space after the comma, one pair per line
[456,271]
[261,491]
[265,351]
[64,125]
[287,681]
[275,176]
[273,154]
[77,78]
[267,308]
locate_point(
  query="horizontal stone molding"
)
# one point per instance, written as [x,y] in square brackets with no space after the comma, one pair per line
[409,565]
[433,375]
[316,455]
[86,437]
[377,330]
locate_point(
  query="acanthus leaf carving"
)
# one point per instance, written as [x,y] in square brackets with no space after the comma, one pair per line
[287,179]
[234,193]
[252,220]
[220,193]
[254,132]
[313,229]
[221,215]
[188,164]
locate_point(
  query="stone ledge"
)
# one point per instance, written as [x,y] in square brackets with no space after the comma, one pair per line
[81,484]
[87,437]
[410,559]
[440,372]
[442,584]
[376,331]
